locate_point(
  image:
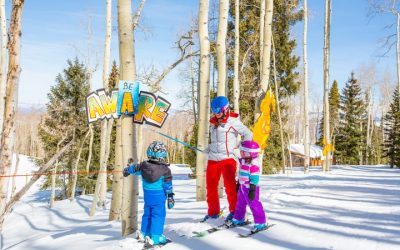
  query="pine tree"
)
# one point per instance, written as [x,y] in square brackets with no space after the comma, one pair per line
[190,154]
[66,118]
[376,152]
[392,132]
[334,105]
[113,77]
[349,139]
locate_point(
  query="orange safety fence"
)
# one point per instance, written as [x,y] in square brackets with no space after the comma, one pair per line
[62,173]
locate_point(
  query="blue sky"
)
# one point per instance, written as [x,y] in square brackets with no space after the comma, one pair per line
[54,31]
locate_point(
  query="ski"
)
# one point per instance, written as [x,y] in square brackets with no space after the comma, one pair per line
[149,246]
[253,232]
[219,216]
[218,228]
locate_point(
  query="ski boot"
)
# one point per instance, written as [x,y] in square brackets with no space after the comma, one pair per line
[216,216]
[229,217]
[139,236]
[155,241]
[258,227]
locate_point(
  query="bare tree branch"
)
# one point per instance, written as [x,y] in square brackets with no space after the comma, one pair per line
[166,71]
[388,49]
[137,15]
[150,75]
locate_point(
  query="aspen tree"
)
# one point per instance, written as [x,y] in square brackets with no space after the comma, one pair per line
[10,105]
[99,195]
[204,99]
[3,63]
[327,136]
[306,134]
[221,46]
[128,130]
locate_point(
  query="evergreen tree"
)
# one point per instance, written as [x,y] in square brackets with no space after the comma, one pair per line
[190,154]
[66,119]
[334,105]
[349,140]
[285,15]
[113,77]
[376,152]
[392,132]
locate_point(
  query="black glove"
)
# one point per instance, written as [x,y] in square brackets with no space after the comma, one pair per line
[237,186]
[170,200]
[126,173]
[252,192]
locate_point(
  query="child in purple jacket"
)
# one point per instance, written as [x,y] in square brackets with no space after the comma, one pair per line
[249,190]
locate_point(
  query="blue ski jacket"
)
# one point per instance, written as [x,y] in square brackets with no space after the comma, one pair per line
[156,176]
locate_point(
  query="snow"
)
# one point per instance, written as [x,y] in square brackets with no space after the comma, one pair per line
[315,151]
[180,169]
[352,207]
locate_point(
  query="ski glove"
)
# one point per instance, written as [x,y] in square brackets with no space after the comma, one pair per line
[126,172]
[252,192]
[170,200]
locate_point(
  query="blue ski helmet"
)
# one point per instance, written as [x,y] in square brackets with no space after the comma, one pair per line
[157,151]
[219,104]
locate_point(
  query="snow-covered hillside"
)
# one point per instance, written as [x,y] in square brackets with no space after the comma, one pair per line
[353,207]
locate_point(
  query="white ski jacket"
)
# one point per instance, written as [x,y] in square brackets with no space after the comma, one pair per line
[224,137]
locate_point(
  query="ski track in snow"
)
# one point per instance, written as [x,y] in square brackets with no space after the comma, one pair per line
[352,207]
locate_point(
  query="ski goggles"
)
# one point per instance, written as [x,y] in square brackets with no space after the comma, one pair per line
[218,110]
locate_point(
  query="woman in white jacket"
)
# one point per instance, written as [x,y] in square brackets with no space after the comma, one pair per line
[224,131]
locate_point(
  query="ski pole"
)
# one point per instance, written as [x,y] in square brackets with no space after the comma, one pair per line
[177,140]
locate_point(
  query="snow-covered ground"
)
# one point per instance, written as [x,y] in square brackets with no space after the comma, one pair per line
[352,207]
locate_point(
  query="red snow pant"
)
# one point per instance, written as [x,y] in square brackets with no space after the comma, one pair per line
[214,169]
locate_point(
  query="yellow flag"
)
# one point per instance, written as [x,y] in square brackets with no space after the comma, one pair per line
[262,127]
[327,147]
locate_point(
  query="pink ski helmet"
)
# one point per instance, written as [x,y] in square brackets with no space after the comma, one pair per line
[249,149]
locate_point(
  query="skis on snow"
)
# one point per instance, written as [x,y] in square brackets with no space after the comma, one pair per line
[254,231]
[218,228]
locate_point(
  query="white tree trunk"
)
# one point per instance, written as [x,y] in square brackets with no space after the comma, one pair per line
[13,185]
[53,184]
[278,109]
[3,63]
[194,87]
[398,51]
[327,136]
[101,183]
[75,169]
[266,56]
[204,100]
[116,201]
[262,19]
[128,135]
[236,87]
[306,128]
[267,7]
[369,122]
[104,188]
[54,176]
[10,106]
[221,46]
[89,159]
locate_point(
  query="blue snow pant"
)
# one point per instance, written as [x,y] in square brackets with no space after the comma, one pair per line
[154,212]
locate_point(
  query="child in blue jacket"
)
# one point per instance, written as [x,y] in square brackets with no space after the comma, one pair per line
[157,188]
